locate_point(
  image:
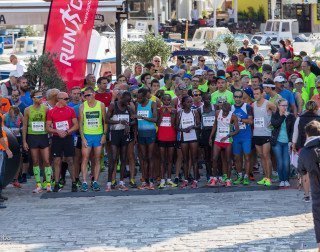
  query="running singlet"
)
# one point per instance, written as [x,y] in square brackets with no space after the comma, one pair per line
[37,120]
[119,115]
[61,118]
[262,120]
[187,120]
[223,127]
[207,118]
[92,119]
[166,131]
[146,111]
[242,112]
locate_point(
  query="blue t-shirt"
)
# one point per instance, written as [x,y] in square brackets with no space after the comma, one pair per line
[283,135]
[288,95]
[243,112]
[26,99]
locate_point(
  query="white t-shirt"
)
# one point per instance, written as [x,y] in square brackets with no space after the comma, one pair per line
[21,68]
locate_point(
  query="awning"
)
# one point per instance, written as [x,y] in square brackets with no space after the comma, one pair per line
[36,12]
[287,2]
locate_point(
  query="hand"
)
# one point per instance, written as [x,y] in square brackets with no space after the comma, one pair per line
[25,146]
[224,139]
[62,133]
[124,122]
[84,143]
[210,141]
[127,130]
[187,130]
[103,139]
[9,153]
[294,148]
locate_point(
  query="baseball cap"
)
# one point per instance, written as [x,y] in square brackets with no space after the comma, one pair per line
[283,60]
[249,92]
[221,77]
[298,80]
[279,79]
[198,72]
[182,86]
[297,58]
[186,76]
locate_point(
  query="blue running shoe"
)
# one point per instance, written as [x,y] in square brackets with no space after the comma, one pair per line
[95,186]
[84,187]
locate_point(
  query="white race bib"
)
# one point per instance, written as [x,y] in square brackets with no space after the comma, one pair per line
[64,125]
[16,132]
[166,121]
[93,123]
[37,126]
[143,113]
[224,131]
[187,122]
[242,125]
[259,122]
[123,118]
[208,121]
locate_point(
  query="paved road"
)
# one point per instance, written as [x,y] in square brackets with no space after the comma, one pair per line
[274,220]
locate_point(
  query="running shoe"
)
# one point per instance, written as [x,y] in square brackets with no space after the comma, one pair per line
[114,184]
[84,187]
[267,182]
[212,182]
[224,177]
[194,184]
[95,186]
[132,183]
[62,182]
[184,184]
[281,184]
[16,184]
[286,183]
[246,181]
[74,187]
[108,188]
[122,187]
[262,181]
[38,188]
[3,197]
[176,180]
[49,189]
[143,186]
[228,183]
[238,181]
[56,188]
[171,183]
[44,185]
[251,177]
[162,185]
[151,186]
[78,183]
[23,178]
[274,176]
[306,198]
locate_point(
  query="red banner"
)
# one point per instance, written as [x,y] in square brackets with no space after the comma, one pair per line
[68,36]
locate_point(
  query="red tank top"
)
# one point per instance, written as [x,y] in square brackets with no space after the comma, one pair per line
[166,131]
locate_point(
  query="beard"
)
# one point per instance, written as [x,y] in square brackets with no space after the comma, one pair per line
[24,88]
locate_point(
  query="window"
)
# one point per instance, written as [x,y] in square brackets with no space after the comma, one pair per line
[285,26]
[141,9]
[19,47]
[209,35]
[268,26]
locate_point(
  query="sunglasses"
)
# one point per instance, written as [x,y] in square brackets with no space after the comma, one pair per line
[237,96]
[38,96]
[196,95]
[87,95]
[65,99]
[189,62]
[283,105]
[318,87]
[202,60]
[156,60]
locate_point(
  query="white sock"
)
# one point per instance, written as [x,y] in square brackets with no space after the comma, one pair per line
[240,174]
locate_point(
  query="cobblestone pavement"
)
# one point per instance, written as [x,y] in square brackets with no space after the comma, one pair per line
[276,220]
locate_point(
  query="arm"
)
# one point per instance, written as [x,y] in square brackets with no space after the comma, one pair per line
[154,114]
[214,128]
[235,122]
[272,107]
[173,116]
[249,120]
[3,142]
[311,92]
[295,134]
[277,119]
[4,90]
[81,125]
[109,114]
[104,123]
[197,121]
[75,126]
[25,128]
[299,102]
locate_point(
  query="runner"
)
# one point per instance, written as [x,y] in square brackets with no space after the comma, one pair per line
[224,119]
[167,139]
[61,123]
[119,119]
[147,117]
[187,122]
[262,110]
[241,145]
[93,135]
[35,138]
[207,114]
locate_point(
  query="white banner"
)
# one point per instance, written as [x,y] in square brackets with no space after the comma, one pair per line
[300,1]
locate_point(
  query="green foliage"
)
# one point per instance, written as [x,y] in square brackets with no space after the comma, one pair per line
[212,46]
[231,45]
[30,32]
[252,14]
[144,51]
[42,70]
[205,14]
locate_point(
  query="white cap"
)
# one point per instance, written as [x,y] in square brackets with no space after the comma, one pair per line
[14,74]
[298,80]
[279,79]
[198,72]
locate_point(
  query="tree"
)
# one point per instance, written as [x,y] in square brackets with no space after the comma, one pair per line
[144,51]
[30,32]
[42,70]
[213,47]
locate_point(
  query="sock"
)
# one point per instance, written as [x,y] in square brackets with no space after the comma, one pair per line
[121,182]
[36,173]
[132,181]
[127,168]
[48,173]
[245,176]
[64,168]
[168,180]
[163,181]
[240,174]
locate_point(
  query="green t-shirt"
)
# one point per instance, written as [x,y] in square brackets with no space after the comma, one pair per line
[228,95]
[246,72]
[204,87]
[309,81]
[169,92]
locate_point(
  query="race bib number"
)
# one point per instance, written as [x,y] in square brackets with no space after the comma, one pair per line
[224,131]
[242,125]
[93,123]
[64,125]
[208,121]
[166,121]
[259,122]
[37,126]
[187,122]
[15,131]
[123,118]
[143,113]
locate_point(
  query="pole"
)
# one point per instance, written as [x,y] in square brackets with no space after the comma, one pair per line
[156,16]
[235,11]
[186,33]
[215,13]
[118,44]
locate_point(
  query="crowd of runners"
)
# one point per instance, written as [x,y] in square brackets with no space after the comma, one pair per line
[168,121]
